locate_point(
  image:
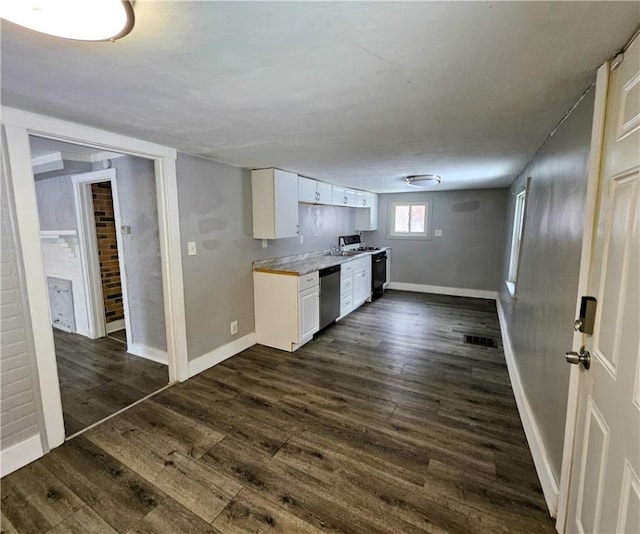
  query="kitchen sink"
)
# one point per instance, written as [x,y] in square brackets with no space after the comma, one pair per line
[345,253]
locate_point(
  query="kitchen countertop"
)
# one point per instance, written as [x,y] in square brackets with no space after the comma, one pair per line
[302,264]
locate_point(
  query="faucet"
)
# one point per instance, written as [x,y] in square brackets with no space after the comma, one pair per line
[335,249]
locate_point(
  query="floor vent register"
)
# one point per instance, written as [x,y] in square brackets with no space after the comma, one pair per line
[481,341]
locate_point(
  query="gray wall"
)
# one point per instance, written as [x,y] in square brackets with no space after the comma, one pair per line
[540,319]
[141,250]
[55,203]
[21,416]
[215,212]
[469,253]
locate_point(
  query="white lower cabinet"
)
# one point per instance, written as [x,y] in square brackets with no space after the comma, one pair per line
[308,313]
[287,309]
[355,284]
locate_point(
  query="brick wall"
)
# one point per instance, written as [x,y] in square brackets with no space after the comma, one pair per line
[107,251]
[18,420]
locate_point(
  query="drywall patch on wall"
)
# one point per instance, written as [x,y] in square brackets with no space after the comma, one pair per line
[469,253]
[215,212]
[135,178]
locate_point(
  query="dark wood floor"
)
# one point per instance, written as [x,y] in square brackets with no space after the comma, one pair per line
[386,422]
[98,377]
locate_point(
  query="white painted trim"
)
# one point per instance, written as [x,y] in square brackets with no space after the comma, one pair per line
[28,223]
[88,246]
[55,234]
[149,353]
[115,326]
[44,159]
[442,290]
[20,454]
[531,429]
[18,126]
[590,213]
[220,354]
[172,277]
[71,132]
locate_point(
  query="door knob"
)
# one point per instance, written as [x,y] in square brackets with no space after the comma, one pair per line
[576,358]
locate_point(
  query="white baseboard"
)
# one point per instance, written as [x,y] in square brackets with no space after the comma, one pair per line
[442,290]
[532,431]
[144,351]
[115,326]
[201,363]
[20,454]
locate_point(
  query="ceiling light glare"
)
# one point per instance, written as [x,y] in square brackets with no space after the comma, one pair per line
[422,180]
[83,20]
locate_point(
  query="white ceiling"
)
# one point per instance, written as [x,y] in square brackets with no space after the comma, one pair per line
[356,93]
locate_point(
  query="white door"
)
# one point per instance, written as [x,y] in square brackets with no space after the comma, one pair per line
[604,494]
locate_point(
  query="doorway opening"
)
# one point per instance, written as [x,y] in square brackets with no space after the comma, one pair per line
[100,242]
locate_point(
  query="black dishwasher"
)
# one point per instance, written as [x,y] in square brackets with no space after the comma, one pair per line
[329,295]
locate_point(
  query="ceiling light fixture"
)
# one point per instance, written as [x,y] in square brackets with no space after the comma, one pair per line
[82,20]
[422,180]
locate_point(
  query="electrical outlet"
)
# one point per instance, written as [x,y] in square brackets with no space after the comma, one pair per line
[437,232]
[301,238]
[234,327]
[191,248]
[264,243]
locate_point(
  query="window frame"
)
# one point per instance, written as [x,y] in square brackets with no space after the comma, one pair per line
[426,234]
[517,234]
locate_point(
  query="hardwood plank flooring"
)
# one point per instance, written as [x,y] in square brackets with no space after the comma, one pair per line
[386,422]
[98,377]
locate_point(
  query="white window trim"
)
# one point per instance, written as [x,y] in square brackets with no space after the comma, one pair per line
[517,234]
[413,235]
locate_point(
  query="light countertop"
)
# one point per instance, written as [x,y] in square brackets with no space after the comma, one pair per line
[302,264]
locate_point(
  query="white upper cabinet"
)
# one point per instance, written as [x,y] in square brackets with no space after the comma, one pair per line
[367,216]
[341,196]
[313,192]
[324,191]
[275,203]
[307,190]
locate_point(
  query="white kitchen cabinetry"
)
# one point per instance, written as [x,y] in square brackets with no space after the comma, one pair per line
[287,309]
[367,212]
[325,192]
[355,284]
[312,191]
[341,196]
[275,203]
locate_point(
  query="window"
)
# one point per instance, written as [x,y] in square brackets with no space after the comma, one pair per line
[516,239]
[409,220]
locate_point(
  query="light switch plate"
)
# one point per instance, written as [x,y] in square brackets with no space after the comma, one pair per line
[191,248]
[437,232]
[264,243]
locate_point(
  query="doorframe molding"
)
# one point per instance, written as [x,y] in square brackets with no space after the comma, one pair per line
[88,245]
[18,126]
[589,227]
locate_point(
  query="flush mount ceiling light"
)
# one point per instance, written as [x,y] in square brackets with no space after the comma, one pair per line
[422,180]
[83,20]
